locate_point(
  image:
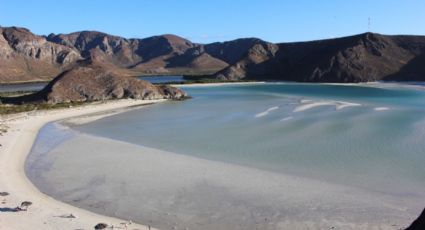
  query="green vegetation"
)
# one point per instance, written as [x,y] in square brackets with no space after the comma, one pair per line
[9,109]
[15,93]
[201,79]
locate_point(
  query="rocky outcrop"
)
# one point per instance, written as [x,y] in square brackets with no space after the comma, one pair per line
[359,58]
[95,83]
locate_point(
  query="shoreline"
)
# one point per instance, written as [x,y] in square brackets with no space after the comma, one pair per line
[414,84]
[219,84]
[16,144]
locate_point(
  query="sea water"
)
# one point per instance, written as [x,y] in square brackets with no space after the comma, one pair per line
[366,137]
[359,145]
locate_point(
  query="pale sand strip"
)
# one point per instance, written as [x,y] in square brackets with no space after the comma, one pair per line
[381,108]
[219,84]
[308,104]
[16,145]
[266,112]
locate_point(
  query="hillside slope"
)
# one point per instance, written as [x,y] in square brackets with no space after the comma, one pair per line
[359,58]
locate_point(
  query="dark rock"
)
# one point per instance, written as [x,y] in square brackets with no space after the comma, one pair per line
[419,223]
[4,194]
[170,92]
[100,226]
[24,205]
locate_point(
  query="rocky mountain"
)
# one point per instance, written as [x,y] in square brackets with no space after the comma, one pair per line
[25,56]
[364,57]
[95,83]
[28,57]
[256,61]
[359,58]
[166,54]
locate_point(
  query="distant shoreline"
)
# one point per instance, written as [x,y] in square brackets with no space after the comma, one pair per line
[227,82]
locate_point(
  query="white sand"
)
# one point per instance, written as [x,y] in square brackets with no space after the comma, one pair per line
[381,108]
[219,84]
[309,104]
[265,113]
[287,118]
[45,212]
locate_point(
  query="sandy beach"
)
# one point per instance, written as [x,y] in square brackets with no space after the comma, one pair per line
[45,212]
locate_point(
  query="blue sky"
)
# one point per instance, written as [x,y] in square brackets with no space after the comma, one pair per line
[206,21]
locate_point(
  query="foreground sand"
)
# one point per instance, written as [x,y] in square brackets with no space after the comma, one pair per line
[46,212]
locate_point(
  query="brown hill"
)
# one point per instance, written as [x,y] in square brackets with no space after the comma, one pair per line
[94,83]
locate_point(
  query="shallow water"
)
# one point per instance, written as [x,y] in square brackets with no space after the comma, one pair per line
[22,87]
[361,140]
[163,79]
[222,123]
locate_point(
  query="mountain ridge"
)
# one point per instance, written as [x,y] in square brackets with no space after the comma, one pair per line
[25,56]
[357,58]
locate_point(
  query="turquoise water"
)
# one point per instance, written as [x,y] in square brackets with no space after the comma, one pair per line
[259,156]
[376,145]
